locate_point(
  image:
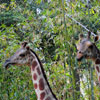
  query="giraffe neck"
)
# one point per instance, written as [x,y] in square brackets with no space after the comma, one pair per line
[96,60]
[95,53]
[41,85]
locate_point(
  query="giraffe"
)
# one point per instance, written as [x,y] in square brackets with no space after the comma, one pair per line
[88,50]
[26,56]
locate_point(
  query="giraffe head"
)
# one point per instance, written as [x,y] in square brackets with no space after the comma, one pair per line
[86,48]
[22,56]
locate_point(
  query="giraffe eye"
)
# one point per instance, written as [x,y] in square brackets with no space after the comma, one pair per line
[22,55]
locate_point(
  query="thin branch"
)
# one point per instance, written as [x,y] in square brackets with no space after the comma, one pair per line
[80,24]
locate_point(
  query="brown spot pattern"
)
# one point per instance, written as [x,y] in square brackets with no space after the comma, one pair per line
[97,68]
[34,65]
[35,86]
[38,70]
[42,95]
[41,84]
[97,61]
[48,98]
[34,76]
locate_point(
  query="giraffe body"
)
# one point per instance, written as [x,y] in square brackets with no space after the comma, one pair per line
[25,56]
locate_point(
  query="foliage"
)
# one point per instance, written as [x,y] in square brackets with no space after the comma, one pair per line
[53,37]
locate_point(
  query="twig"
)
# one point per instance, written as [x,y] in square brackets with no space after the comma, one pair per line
[80,24]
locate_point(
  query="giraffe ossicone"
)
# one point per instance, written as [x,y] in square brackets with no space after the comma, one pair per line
[26,56]
[88,50]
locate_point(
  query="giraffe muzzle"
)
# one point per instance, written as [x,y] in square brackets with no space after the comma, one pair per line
[7,64]
[79,56]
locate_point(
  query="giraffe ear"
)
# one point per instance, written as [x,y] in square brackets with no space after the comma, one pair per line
[96,38]
[81,36]
[23,44]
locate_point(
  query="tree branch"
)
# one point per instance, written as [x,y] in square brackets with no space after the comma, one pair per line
[80,24]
